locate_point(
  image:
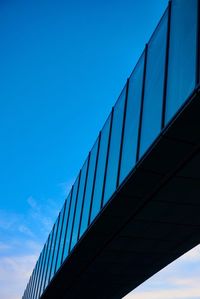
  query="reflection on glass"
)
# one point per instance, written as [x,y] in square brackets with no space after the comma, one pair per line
[48,259]
[45,264]
[71,217]
[101,166]
[154,86]
[114,150]
[35,279]
[39,272]
[182,55]
[60,218]
[79,205]
[129,148]
[64,231]
[89,188]
[53,252]
[42,270]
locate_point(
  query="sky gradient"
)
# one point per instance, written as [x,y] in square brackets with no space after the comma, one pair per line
[63,65]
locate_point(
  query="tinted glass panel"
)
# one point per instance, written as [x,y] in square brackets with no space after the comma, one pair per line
[131,128]
[35,279]
[49,259]
[182,54]
[31,285]
[64,229]
[96,204]
[45,265]
[38,275]
[52,255]
[79,205]
[115,143]
[41,271]
[58,239]
[71,217]
[58,225]
[154,85]
[89,187]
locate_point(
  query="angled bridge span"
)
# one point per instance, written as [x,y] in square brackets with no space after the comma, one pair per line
[135,204]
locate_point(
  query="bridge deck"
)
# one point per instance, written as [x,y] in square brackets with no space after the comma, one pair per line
[150,221]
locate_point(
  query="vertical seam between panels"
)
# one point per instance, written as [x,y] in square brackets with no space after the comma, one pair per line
[198,44]
[107,157]
[83,202]
[142,104]
[166,66]
[122,134]
[94,180]
[55,270]
[70,203]
[76,200]
[45,256]
[54,247]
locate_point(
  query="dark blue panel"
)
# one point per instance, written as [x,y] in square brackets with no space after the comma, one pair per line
[89,188]
[64,231]
[182,55]
[79,205]
[154,86]
[129,148]
[98,189]
[114,150]
[71,217]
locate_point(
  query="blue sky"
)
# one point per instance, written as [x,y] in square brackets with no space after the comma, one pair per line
[63,64]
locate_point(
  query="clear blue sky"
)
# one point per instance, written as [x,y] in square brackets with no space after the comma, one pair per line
[63,64]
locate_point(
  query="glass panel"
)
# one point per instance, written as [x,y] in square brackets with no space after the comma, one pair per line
[79,205]
[53,251]
[154,86]
[101,166]
[182,55]
[64,229]
[89,187]
[115,143]
[41,271]
[35,279]
[49,259]
[32,281]
[45,264]
[38,274]
[28,288]
[129,148]
[71,217]
[55,247]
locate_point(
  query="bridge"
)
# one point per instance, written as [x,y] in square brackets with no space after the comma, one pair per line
[135,204]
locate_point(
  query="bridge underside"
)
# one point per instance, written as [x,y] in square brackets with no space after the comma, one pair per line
[152,220]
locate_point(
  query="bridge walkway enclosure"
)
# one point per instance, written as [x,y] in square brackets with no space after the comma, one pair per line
[135,204]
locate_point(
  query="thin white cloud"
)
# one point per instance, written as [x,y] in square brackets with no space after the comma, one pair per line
[179,280]
[25,230]
[66,187]
[15,272]
[185,293]
[4,247]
